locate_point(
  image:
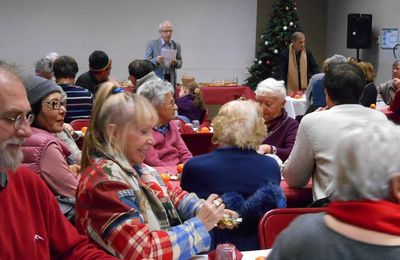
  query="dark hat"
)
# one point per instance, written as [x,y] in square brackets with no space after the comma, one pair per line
[37,88]
[98,61]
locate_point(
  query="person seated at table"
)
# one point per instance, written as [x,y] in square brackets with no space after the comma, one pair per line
[281,129]
[315,93]
[168,150]
[141,71]
[190,102]
[362,221]
[370,93]
[387,90]
[247,181]
[395,108]
[43,152]
[312,154]
[121,203]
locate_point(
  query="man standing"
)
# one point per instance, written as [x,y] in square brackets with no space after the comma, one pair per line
[31,223]
[164,69]
[297,64]
[387,90]
[312,154]
[99,71]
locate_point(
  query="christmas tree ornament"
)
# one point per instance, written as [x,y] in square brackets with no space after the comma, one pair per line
[287,8]
[266,42]
[285,28]
[291,23]
[259,62]
[275,51]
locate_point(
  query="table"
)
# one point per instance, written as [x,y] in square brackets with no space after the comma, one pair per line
[199,143]
[296,106]
[295,197]
[220,95]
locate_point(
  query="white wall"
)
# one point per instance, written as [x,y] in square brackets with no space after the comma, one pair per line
[217,36]
[385,14]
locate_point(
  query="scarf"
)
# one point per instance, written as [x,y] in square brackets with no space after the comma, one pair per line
[382,216]
[293,77]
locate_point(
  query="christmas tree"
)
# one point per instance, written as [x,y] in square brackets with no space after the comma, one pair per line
[283,23]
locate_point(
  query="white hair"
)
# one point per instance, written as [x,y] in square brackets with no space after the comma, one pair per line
[154,91]
[163,23]
[271,87]
[367,157]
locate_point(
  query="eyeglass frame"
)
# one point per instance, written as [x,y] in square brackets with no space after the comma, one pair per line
[60,102]
[20,119]
[167,31]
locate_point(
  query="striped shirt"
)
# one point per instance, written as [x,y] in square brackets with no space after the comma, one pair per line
[79,102]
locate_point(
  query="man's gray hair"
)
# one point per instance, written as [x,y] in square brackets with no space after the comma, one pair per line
[154,91]
[164,22]
[366,159]
[44,65]
[271,87]
[396,62]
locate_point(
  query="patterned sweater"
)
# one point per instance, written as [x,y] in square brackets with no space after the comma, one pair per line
[110,199]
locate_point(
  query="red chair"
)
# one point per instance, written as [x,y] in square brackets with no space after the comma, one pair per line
[273,222]
[77,124]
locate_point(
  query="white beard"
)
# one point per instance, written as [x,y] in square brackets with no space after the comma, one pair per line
[8,160]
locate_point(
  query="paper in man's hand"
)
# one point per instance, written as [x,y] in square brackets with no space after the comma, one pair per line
[168,55]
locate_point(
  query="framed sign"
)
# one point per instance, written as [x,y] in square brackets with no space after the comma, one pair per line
[389,38]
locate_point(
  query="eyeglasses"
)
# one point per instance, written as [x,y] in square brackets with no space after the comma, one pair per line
[19,120]
[167,31]
[56,104]
[170,104]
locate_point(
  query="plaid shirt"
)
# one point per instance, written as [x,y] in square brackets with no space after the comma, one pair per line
[108,212]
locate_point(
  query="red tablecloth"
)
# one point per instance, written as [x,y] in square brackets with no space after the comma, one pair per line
[199,143]
[222,95]
[295,197]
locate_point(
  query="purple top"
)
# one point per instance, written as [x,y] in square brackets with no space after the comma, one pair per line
[282,134]
[188,109]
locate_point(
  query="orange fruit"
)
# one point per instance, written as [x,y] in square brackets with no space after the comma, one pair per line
[164,177]
[373,106]
[83,130]
[179,168]
[204,129]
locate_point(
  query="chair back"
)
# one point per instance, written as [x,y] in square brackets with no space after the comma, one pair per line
[273,222]
[77,124]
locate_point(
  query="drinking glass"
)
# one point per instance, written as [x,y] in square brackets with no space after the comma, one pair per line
[225,251]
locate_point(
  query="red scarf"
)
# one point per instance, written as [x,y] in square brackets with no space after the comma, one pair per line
[382,216]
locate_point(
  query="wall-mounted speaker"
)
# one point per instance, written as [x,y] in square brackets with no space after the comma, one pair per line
[359,28]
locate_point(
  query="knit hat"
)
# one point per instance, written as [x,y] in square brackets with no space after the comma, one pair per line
[37,88]
[98,61]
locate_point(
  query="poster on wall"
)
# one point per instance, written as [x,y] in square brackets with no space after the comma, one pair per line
[389,38]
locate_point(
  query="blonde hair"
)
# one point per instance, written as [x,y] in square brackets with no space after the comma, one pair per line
[198,97]
[112,105]
[240,123]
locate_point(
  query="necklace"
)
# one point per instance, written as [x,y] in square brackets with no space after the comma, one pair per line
[276,128]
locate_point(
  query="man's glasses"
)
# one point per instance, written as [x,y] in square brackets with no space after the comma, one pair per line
[167,31]
[56,104]
[19,120]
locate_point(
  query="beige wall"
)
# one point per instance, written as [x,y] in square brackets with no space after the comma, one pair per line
[313,19]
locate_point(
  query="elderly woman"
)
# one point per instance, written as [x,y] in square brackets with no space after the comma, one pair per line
[121,203]
[247,181]
[169,150]
[43,152]
[362,221]
[282,129]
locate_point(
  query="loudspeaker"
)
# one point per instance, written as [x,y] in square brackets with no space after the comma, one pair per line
[359,27]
